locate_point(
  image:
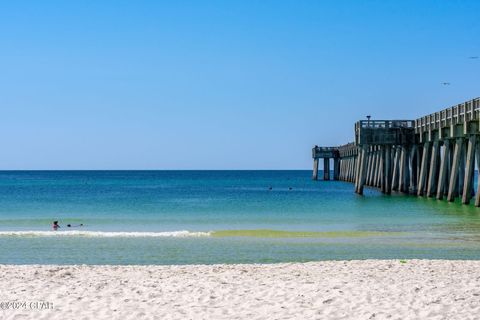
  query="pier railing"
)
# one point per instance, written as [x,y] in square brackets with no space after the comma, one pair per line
[461,113]
[384,124]
[348,150]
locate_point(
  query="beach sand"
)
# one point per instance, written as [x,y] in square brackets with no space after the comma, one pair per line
[368,289]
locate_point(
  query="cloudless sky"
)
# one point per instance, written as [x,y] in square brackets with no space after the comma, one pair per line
[220,84]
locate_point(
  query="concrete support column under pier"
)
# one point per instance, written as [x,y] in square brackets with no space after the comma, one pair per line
[412,160]
[326,169]
[369,166]
[362,157]
[387,172]
[315,169]
[382,165]
[461,169]
[477,156]
[368,180]
[380,168]
[423,169]
[443,174]
[345,169]
[403,174]
[395,175]
[470,165]
[432,176]
[350,169]
[454,174]
[357,171]
[336,169]
[374,166]
[347,172]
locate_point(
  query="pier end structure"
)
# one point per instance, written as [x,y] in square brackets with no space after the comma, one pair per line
[344,158]
[325,153]
[432,156]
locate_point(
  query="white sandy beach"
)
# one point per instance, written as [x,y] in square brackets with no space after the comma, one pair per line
[370,289]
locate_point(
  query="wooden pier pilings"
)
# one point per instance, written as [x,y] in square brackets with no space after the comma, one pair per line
[433,156]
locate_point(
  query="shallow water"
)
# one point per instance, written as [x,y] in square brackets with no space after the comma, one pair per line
[188,217]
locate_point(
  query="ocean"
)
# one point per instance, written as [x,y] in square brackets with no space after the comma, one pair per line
[209,217]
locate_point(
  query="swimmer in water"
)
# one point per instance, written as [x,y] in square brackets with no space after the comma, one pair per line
[78,225]
[55,225]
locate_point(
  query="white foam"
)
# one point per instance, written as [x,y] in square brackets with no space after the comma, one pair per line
[104,234]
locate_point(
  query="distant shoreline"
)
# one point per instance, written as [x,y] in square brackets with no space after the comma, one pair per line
[148,170]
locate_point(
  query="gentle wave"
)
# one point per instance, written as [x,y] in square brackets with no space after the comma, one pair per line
[104,234]
[258,233]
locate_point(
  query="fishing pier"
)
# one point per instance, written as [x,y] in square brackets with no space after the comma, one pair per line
[432,156]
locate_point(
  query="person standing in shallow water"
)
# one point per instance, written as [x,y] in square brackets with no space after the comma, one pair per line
[55,225]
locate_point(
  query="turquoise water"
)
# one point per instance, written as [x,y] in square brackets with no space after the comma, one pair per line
[189,217]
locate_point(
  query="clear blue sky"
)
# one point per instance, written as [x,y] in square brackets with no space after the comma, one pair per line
[220,84]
